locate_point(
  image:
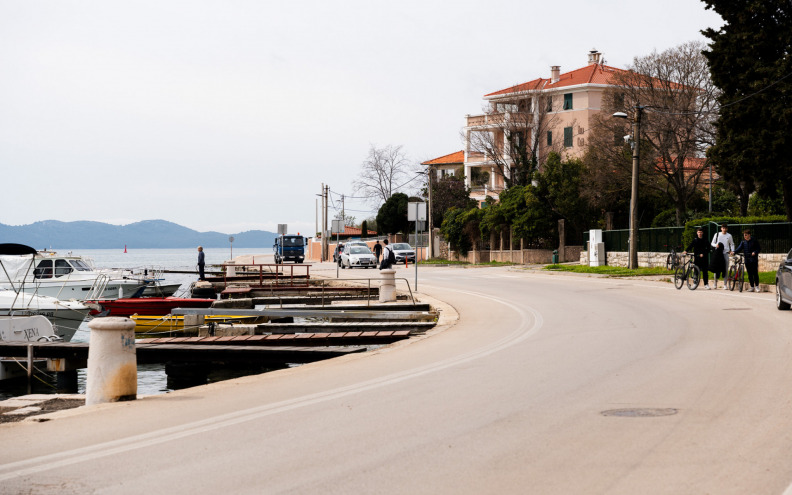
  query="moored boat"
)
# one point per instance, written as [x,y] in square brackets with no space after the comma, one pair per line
[156,306]
[22,329]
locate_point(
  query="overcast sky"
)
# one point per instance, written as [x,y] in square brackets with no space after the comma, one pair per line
[228,115]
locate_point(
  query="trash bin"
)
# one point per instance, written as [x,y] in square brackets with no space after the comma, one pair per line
[555,257]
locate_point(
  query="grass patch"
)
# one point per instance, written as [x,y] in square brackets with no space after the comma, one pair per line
[615,271]
[441,261]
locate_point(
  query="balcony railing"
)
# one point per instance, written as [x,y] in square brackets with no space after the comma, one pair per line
[495,119]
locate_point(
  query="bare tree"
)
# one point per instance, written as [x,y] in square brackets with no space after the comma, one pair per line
[678,103]
[383,172]
[510,134]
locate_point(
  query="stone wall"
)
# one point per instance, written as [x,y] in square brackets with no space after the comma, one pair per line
[767,262]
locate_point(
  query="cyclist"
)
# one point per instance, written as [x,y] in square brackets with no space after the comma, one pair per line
[750,248]
[723,237]
[701,248]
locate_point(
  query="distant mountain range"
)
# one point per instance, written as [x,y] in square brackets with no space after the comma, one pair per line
[157,234]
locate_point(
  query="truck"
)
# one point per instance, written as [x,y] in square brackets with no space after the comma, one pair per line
[289,248]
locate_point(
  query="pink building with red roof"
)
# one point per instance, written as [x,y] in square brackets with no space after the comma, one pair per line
[554,113]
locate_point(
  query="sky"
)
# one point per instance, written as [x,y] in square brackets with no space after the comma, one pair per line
[228,116]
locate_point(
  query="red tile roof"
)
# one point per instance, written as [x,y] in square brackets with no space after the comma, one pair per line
[452,158]
[590,74]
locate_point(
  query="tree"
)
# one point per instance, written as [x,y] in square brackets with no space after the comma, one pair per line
[448,192]
[510,134]
[750,59]
[383,172]
[676,100]
[392,216]
[364,228]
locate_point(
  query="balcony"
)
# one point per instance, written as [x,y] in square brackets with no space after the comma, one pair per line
[500,119]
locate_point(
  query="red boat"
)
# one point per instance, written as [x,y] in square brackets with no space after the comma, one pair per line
[154,306]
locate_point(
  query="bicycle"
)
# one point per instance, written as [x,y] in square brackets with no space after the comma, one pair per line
[687,272]
[736,276]
[674,259]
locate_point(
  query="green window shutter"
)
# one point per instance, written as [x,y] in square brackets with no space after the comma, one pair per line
[567,137]
[568,101]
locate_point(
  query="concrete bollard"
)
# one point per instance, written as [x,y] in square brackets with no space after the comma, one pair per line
[112,362]
[387,292]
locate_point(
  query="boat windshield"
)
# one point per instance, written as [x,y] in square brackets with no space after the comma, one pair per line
[43,269]
[80,265]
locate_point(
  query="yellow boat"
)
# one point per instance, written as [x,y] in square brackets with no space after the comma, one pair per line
[169,323]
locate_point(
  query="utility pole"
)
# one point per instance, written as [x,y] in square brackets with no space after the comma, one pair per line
[324,222]
[430,247]
[343,214]
[326,201]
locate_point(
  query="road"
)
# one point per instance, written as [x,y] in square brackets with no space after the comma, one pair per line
[547,383]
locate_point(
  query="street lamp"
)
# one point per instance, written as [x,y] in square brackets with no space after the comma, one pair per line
[636,157]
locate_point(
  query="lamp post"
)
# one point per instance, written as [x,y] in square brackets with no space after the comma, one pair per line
[636,158]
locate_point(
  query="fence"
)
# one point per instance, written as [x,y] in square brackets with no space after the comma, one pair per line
[660,239]
[773,237]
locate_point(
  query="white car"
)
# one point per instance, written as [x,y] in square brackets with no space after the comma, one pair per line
[357,256]
[403,251]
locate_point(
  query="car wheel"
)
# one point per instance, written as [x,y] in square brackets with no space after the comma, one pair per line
[780,304]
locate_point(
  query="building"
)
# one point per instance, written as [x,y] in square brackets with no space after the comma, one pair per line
[545,114]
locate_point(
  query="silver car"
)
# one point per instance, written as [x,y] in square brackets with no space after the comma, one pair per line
[357,256]
[403,251]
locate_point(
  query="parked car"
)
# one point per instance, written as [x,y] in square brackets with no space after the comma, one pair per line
[784,283]
[357,256]
[403,251]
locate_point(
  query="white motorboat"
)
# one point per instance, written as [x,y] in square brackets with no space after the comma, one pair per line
[47,273]
[22,329]
[65,316]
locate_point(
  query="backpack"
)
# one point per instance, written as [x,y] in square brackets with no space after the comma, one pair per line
[391,256]
[389,260]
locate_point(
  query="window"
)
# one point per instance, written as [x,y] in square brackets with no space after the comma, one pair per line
[549,138]
[62,267]
[549,103]
[568,101]
[43,269]
[567,137]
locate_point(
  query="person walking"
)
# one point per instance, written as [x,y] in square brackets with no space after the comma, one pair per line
[387,251]
[701,248]
[718,265]
[201,264]
[723,237]
[750,248]
[377,251]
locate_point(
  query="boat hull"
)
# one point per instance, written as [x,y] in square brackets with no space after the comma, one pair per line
[156,306]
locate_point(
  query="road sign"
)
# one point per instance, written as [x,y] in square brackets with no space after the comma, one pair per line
[282,229]
[416,211]
[337,227]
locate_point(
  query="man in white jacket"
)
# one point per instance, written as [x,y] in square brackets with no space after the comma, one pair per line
[728,247]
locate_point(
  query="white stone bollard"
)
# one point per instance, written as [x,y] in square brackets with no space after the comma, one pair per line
[112,362]
[387,292]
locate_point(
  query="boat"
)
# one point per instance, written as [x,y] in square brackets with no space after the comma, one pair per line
[63,277]
[156,325]
[155,306]
[23,329]
[65,316]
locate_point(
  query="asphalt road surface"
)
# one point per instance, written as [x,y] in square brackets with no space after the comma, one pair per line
[547,383]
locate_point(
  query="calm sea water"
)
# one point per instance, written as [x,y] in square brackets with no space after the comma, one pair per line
[151,377]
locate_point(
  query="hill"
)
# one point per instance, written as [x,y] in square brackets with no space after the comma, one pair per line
[158,234]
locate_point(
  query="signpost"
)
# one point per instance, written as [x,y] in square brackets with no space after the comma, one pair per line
[231,242]
[416,212]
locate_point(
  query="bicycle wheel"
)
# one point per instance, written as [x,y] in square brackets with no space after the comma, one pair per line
[670,262]
[740,278]
[679,277]
[731,277]
[694,277]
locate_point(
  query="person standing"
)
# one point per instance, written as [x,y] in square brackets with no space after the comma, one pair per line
[718,265]
[201,264]
[701,248]
[723,237]
[377,251]
[750,248]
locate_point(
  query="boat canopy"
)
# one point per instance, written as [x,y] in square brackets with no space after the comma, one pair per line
[15,249]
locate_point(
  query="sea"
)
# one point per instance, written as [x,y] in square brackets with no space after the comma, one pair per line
[152,379]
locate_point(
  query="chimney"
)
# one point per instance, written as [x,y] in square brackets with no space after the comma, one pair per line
[555,73]
[594,57]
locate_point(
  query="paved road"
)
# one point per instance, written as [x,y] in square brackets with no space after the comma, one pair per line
[547,384]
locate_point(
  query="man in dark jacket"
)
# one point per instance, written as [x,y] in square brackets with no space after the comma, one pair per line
[378,251]
[201,264]
[701,248]
[750,248]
